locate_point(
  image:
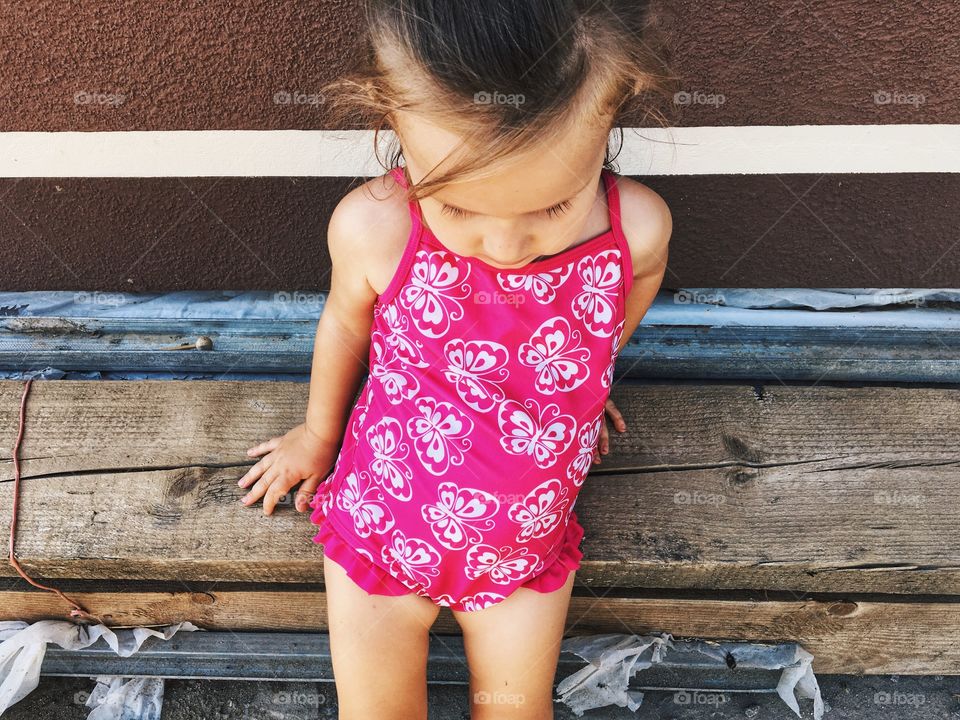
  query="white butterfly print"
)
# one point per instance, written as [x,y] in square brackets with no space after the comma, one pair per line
[360,497]
[444,600]
[397,342]
[528,430]
[555,353]
[458,516]
[481,600]
[439,434]
[588,438]
[437,284]
[475,367]
[607,379]
[386,442]
[398,383]
[596,303]
[543,285]
[502,566]
[412,561]
[540,511]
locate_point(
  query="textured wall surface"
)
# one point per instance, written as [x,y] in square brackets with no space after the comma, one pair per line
[179,65]
[188,65]
[209,66]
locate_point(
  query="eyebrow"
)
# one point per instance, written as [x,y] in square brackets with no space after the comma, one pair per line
[531,212]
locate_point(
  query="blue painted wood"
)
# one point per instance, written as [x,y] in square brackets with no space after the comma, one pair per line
[792,353]
[674,342]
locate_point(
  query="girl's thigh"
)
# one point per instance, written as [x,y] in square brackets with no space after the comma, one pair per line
[512,649]
[379,646]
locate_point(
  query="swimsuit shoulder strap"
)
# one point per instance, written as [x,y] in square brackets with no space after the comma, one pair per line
[613,209]
[400,175]
[413,241]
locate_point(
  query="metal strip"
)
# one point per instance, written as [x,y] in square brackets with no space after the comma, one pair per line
[280,656]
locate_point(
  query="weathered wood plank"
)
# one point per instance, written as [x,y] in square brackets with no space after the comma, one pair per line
[896,344]
[115,344]
[848,636]
[88,425]
[806,489]
[82,426]
[783,529]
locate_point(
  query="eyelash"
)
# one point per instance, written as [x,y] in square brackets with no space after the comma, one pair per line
[552,212]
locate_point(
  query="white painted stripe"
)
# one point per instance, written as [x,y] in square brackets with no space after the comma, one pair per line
[337,153]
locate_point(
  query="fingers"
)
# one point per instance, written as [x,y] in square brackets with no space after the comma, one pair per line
[256,471]
[272,488]
[305,494]
[618,422]
[267,446]
[258,489]
[275,493]
[603,443]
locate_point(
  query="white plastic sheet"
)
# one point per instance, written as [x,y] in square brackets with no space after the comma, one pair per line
[118,698]
[23,645]
[615,658]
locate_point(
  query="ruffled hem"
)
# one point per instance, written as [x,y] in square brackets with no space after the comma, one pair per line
[375,580]
[358,568]
[553,577]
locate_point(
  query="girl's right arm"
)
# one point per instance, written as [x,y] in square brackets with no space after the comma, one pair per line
[342,344]
[340,351]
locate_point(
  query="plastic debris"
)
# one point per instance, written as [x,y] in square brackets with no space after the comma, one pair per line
[119,698]
[23,645]
[615,658]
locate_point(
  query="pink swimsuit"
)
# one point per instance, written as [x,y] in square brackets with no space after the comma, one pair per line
[464,455]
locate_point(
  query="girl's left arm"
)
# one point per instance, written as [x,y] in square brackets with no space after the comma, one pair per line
[647,225]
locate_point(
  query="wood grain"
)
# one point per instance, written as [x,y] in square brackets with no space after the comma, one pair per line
[799,488]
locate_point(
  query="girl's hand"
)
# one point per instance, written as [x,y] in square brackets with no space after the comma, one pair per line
[603,445]
[298,455]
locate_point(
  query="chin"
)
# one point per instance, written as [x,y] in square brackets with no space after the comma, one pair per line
[507,267]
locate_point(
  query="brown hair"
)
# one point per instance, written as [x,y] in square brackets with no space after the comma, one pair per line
[555,59]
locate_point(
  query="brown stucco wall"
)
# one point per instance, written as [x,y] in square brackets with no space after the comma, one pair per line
[184,65]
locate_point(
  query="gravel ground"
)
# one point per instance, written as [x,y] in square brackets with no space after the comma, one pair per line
[881,697]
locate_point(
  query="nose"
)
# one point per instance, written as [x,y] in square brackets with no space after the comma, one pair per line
[505,249]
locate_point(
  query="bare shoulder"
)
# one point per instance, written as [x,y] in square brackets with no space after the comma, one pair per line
[367,234]
[647,225]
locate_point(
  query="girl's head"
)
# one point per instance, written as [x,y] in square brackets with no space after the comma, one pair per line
[503,110]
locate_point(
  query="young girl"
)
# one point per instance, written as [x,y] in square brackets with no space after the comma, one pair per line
[489,283]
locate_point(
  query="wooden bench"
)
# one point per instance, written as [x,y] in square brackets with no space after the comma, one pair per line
[806,513]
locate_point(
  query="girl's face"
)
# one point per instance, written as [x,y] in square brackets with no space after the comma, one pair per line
[536,205]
